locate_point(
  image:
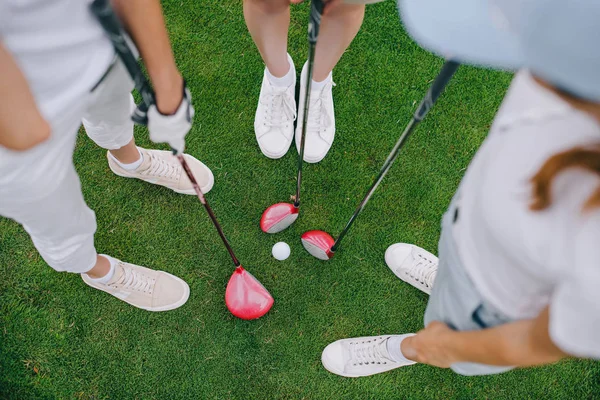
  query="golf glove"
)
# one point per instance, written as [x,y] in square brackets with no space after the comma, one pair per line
[172,128]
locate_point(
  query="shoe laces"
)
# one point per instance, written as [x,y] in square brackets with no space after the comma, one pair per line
[319,118]
[423,270]
[134,280]
[369,352]
[162,167]
[281,108]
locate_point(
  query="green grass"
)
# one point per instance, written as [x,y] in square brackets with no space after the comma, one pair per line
[61,339]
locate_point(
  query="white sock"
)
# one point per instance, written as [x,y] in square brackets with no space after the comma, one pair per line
[106,278]
[286,80]
[320,85]
[393,347]
[130,166]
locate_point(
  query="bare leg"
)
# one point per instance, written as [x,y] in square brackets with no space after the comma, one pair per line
[339,26]
[268,22]
[127,154]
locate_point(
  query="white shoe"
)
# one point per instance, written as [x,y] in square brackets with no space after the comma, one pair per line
[320,131]
[162,168]
[413,265]
[361,356]
[275,116]
[143,287]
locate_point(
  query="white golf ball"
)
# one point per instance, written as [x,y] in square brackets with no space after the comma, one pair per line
[281,251]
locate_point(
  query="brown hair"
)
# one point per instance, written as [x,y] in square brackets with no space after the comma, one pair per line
[586,158]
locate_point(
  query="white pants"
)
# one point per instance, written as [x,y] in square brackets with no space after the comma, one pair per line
[40,189]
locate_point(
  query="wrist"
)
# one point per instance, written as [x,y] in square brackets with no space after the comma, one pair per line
[169,92]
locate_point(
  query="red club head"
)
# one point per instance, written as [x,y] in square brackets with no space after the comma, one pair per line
[318,244]
[246,297]
[278,217]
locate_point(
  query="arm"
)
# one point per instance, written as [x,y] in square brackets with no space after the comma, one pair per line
[145,23]
[21,124]
[522,344]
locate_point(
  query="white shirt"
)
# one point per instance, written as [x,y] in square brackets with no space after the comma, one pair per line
[60,48]
[521,260]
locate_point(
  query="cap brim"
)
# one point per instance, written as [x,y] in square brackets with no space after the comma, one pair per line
[467,31]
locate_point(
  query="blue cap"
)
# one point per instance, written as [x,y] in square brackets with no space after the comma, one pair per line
[557,40]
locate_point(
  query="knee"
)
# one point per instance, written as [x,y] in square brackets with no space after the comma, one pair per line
[113,128]
[270,6]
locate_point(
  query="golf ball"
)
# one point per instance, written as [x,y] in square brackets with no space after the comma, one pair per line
[281,251]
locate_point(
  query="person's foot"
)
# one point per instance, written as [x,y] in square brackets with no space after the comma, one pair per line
[142,287]
[361,356]
[413,265]
[275,114]
[162,168]
[320,131]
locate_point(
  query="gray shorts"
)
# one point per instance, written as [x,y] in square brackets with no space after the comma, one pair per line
[455,300]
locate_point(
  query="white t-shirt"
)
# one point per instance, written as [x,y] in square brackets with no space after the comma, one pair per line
[520,260]
[60,48]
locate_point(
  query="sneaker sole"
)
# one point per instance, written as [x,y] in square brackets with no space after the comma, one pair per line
[272,156]
[169,307]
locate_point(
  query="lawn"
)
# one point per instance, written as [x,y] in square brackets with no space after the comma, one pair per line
[62,339]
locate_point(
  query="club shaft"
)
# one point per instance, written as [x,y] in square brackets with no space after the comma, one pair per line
[427,103]
[209,210]
[109,21]
[314,25]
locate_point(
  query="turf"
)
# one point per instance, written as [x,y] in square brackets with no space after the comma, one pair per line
[61,339]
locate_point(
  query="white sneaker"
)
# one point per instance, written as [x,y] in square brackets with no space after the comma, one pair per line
[143,287]
[413,265]
[321,120]
[361,356]
[163,168]
[275,116]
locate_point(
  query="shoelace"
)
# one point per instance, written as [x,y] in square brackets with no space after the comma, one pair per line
[130,279]
[319,118]
[280,108]
[423,270]
[368,352]
[161,167]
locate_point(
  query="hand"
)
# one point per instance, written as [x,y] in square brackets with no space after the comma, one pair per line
[172,128]
[431,346]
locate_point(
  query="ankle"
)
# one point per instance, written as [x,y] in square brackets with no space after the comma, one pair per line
[282,79]
[129,166]
[399,347]
[104,269]
[318,85]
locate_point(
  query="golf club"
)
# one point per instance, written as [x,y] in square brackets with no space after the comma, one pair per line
[320,244]
[245,296]
[281,215]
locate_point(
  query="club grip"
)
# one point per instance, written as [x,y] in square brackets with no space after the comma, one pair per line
[437,87]
[314,20]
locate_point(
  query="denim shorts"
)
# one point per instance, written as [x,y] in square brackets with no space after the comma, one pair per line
[454,299]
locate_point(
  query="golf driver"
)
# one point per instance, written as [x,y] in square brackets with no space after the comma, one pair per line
[245,297]
[281,215]
[320,244]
